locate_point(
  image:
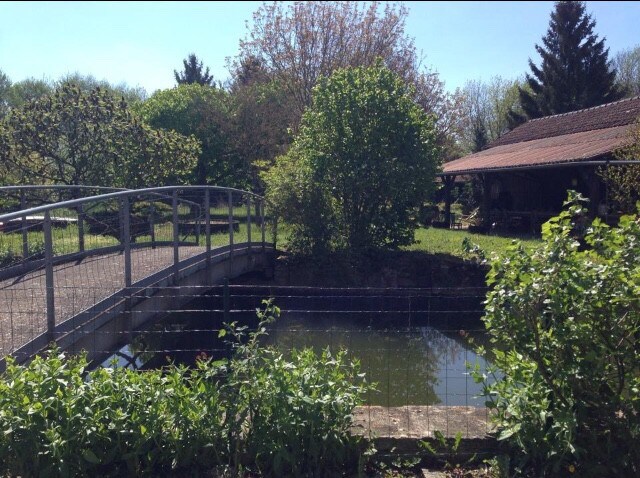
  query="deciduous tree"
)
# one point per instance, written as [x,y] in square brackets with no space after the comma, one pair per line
[72,137]
[299,43]
[486,106]
[365,155]
[623,181]
[627,65]
[205,113]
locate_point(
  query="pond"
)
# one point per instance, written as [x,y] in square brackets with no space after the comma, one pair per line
[416,348]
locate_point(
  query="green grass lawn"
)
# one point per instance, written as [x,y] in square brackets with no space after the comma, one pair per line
[447,241]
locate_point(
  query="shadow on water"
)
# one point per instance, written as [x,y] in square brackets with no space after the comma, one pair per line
[416,354]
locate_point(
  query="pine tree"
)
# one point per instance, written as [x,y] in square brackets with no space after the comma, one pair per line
[193,72]
[575,71]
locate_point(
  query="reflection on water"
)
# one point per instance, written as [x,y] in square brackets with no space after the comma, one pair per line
[411,365]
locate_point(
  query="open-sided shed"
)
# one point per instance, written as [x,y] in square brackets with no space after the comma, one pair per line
[526,172]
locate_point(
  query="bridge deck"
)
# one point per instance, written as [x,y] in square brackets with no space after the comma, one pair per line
[78,286]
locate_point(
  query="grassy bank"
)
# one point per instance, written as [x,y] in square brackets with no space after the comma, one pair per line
[446,241]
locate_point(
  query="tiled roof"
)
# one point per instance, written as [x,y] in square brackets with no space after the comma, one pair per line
[577,136]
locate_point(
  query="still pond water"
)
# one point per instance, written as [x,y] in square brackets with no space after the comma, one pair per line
[417,354]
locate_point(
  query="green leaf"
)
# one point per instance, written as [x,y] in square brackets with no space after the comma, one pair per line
[91,457]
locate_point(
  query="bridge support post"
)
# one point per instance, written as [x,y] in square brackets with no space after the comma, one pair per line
[48,275]
[152,224]
[126,244]
[126,241]
[80,228]
[25,239]
[176,235]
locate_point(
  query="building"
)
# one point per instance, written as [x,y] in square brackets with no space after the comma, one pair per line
[526,172]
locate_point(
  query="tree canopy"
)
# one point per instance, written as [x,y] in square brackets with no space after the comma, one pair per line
[623,181]
[365,156]
[486,106]
[193,72]
[627,64]
[74,137]
[206,113]
[575,72]
[299,43]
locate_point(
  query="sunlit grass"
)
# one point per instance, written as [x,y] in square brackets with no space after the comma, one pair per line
[447,241]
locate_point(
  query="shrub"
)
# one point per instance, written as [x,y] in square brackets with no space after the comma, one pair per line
[299,408]
[364,158]
[256,411]
[565,320]
[8,257]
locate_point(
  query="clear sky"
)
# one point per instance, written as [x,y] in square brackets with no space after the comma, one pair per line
[141,43]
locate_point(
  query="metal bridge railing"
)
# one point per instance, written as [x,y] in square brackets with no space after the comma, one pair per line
[94,238]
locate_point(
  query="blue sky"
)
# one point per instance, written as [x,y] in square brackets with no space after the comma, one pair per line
[141,43]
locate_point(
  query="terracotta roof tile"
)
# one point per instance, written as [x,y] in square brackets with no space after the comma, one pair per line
[618,113]
[546,151]
[577,136]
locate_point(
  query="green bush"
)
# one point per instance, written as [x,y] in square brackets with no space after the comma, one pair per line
[8,257]
[255,412]
[364,158]
[565,320]
[299,408]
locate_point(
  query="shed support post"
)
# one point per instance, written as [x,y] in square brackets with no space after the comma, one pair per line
[486,201]
[448,181]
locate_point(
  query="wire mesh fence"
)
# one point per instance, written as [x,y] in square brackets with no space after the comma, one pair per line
[416,345]
[85,273]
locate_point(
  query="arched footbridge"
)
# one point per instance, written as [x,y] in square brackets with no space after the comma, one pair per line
[76,261]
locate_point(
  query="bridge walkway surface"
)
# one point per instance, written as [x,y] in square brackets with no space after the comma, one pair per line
[78,286]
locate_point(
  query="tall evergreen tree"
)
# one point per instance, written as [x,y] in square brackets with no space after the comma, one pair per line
[575,72]
[193,72]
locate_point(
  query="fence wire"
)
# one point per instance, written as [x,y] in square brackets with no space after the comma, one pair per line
[416,345]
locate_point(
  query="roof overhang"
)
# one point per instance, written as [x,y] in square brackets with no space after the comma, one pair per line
[588,148]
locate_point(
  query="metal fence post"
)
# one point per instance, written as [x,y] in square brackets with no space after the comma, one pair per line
[126,241]
[25,239]
[226,301]
[48,268]
[249,222]
[80,228]
[176,234]
[230,199]
[207,223]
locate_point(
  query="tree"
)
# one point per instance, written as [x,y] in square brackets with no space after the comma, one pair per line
[575,72]
[364,157]
[564,320]
[27,90]
[623,181]
[87,83]
[5,86]
[193,73]
[205,113]
[486,107]
[627,66]
[72,137]
[304,41]
[262,115]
